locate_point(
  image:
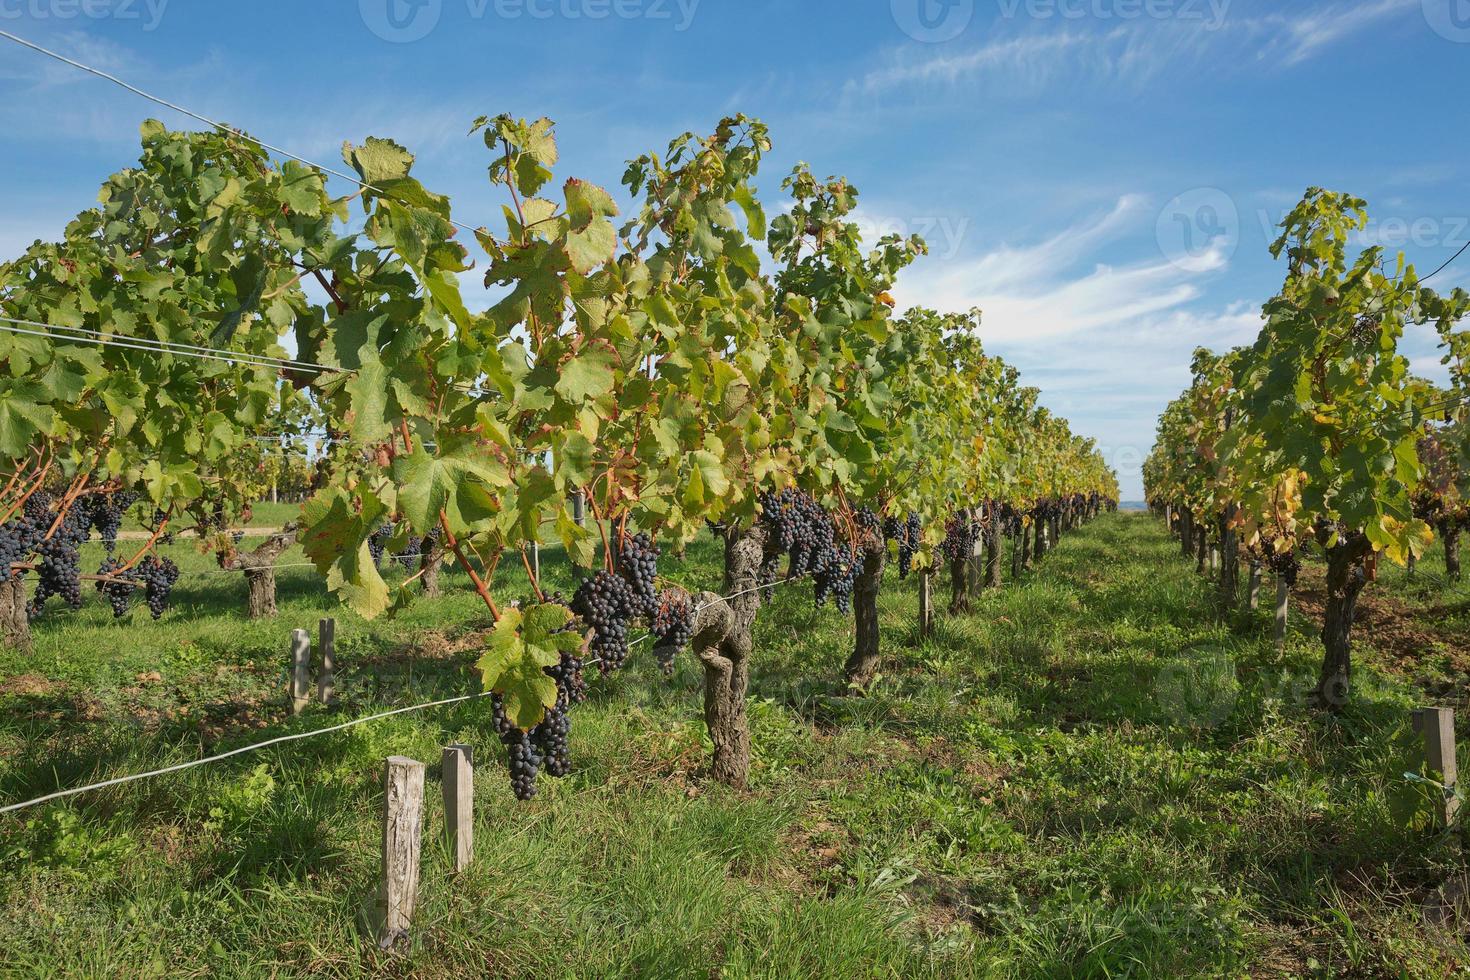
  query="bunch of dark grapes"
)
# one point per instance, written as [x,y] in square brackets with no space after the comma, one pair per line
[836,581]
[59,562]
[378,542]
[525,759]
[1287,566]
[770,572]
[409,556]
[236,537]
[107,515]
[550,740]
[908,534]
[18,538]
[868,522]
[570,683]
[801,528]
[607,603]
[158,518]
[119,591]
[961,536]
[157,576]
[672,629]
[568,677]
[638,565]
[778,512]
[815,539]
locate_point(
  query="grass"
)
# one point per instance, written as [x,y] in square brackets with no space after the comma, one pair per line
[1091,775]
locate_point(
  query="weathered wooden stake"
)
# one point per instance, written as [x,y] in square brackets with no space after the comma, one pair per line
[1283,610]
[1253,590]
[1437,726]
[459,803]
[403,823]
[326,679]
[926,605]
[300,680]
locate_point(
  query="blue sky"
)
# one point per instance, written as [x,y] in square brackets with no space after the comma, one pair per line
[1100,177]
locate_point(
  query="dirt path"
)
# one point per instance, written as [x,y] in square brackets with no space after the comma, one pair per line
[252,532]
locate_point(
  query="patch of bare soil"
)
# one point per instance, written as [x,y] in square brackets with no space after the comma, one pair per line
[1400,634]
[29,685]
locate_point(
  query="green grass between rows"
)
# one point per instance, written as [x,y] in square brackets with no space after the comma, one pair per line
[1091,775]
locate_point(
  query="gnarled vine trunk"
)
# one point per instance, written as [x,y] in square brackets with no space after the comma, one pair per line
[722,642]
[1042,544]
[430,563]
[1451,535]
[993,546]
[259,567]
[1015,557]
[1025,549]
[959,586]
[1229,587]
[862,666]
[1202,551]
[15,625]
[1186,533]
[1346,577]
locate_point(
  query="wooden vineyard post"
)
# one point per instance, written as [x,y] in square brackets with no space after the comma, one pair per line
[1283,610]
[1437,727]
[326,679]
[579,516]
[403,821]
[459,801]
[300,677]
[926,605]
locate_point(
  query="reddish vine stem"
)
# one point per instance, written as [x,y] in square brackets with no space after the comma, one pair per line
[453,545]
[152,540]
[66,503]
[531,574]
[341,306]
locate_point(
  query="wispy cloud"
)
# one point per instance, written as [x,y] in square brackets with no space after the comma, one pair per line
[1026,62]
[1304,35]
[1130,52]
[1038,290]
